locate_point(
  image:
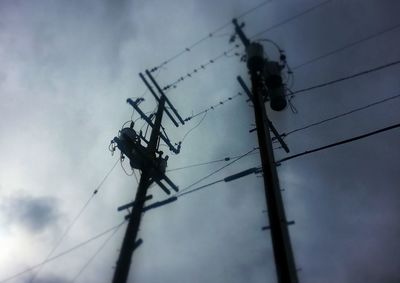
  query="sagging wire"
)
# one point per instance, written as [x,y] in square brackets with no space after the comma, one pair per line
[290,98]
[197,125]
[122,158]
[283,60]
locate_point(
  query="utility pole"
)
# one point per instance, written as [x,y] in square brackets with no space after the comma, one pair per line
[144,155]
[283,254]
[129,243]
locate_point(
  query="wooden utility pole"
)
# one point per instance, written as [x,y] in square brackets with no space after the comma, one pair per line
[283,254]
[130,243]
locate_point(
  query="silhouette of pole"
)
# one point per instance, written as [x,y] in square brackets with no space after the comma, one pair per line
[283,254]
[130,241]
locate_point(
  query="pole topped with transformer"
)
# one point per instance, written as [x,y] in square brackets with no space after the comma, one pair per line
[267,84]
[144,155]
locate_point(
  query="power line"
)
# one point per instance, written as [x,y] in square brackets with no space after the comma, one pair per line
[206,163]
[114,229]
[342,115]
[212,107]
[348,46]
[225,54]
[96,253]
[197,125]
[34,275]
[378,68]
[290,19]
[64,252]
[226,179]
[209,36]
[216,171]
[123,168]
[339,143]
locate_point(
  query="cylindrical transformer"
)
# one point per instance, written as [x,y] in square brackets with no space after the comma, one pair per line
[275,88]
[255,57]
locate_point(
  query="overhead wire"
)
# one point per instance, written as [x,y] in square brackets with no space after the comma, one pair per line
[361,73]
[346,46]
[290,157]
[339,143]
[123,168]
[292,18]
[342,114]
[208,36]
[68,251]
[114,230]
[217,170]
[225,53]
[225,159]
[199,188]
[185,191]
[226,179]
[97,252]
[192,129]
[76,218]
[212,107]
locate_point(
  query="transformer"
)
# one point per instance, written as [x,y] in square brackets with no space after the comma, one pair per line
[275,88]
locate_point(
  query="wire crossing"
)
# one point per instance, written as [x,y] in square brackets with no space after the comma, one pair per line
[207,37]
[339,143]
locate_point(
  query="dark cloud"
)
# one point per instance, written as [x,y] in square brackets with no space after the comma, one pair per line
[32,213]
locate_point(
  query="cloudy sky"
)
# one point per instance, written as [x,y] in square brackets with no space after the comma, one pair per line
[67,68]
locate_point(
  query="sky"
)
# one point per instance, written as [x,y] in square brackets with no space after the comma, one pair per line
[67,68]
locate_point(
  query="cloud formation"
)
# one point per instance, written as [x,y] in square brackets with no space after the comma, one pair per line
[34,214]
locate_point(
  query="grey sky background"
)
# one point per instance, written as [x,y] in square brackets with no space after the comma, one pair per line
[67,68]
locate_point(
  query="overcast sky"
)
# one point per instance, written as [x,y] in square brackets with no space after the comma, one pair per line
[67,68]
